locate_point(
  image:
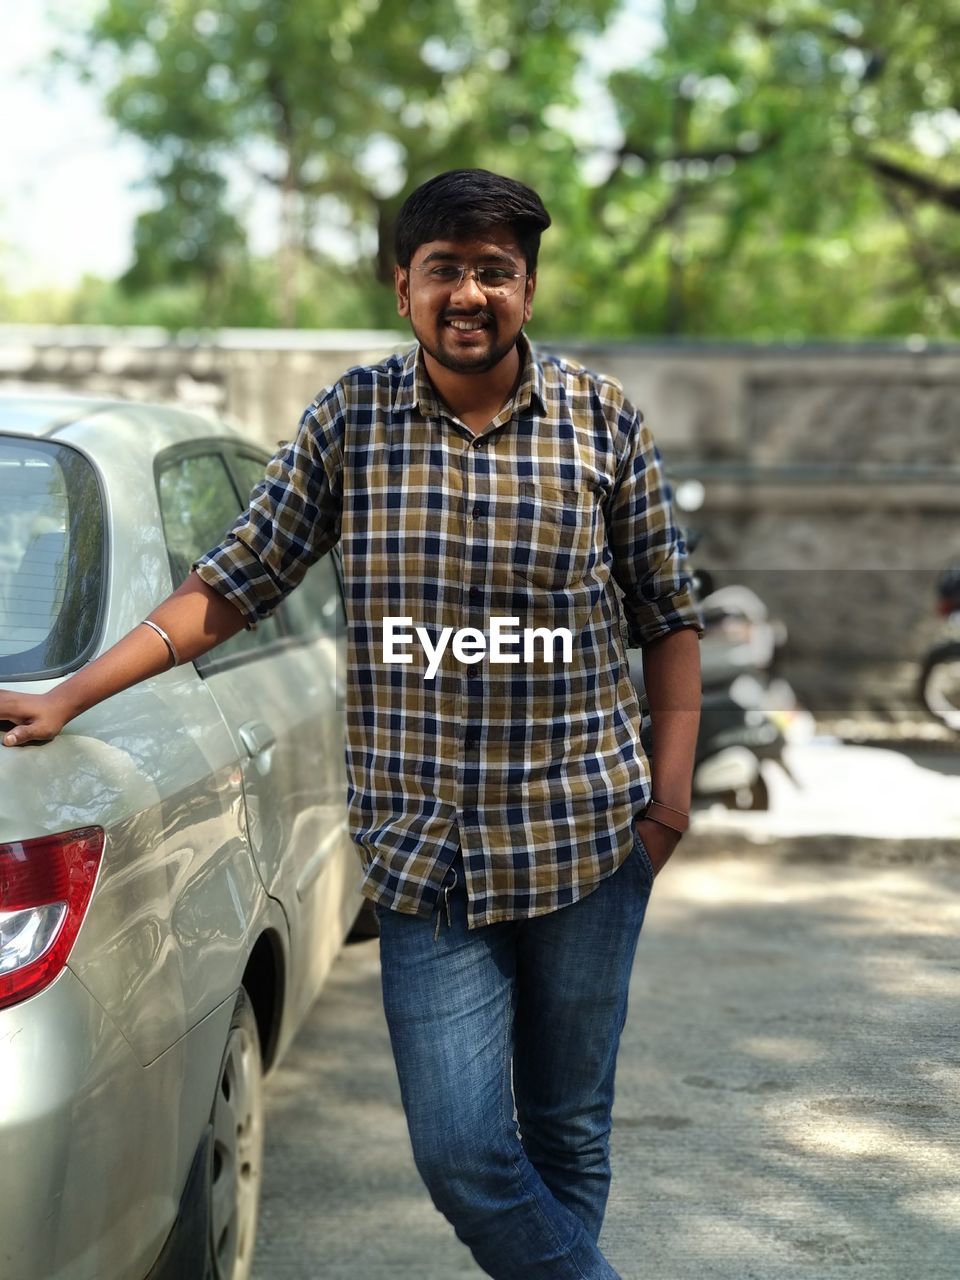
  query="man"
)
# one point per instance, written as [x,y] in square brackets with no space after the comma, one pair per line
[500,799]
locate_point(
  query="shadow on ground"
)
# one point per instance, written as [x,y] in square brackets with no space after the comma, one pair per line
[788,1097]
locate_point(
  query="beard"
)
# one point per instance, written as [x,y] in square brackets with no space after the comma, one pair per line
[484,354]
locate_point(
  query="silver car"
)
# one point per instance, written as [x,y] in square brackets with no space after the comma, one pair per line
[176,876]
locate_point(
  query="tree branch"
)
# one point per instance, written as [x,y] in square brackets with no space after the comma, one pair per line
[736,151]
[875,59]
[767,27]
[947,196]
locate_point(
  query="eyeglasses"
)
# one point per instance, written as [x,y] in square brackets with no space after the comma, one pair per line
[496,282]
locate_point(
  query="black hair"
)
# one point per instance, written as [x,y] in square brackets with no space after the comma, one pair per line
[464,202]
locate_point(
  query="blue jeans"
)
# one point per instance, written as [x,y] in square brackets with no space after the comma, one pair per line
[521,1170]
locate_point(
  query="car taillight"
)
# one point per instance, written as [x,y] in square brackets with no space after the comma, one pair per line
[45,889]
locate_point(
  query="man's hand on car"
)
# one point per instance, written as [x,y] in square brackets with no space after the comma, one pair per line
[35,717]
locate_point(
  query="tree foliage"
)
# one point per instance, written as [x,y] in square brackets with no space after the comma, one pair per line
[771,170]
[779,169]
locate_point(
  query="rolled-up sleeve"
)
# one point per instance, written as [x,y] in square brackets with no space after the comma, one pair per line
[292,519]
[649,555]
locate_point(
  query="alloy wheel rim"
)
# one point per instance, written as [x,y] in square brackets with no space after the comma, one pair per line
[238,1128]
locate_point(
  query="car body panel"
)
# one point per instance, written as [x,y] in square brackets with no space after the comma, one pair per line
[294,797]
[122,443]
[210,847]
[176,888]
[85,1195]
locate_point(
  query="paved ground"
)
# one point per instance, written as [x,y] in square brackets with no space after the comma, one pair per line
[789,1088]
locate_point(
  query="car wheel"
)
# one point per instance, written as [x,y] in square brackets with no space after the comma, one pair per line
[237,1163]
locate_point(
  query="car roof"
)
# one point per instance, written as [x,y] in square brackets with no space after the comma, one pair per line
[99,423]
[43,415]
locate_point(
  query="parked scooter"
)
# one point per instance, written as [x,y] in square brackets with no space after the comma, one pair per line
[746,707]
[939,685]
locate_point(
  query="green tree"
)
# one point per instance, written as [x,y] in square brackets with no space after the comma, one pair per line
[782,169]
[336,106]
[787,168]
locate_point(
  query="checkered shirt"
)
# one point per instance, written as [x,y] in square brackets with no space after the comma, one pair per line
[533,767]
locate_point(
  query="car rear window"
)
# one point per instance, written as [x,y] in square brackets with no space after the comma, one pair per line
[51,558]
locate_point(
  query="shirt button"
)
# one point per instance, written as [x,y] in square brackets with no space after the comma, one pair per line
[477,512]
[474,593]
[473,673]
[478,444]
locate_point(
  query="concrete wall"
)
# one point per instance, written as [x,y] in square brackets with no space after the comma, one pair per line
[832,473]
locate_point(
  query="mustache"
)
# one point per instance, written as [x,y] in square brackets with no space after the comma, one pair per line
[468,315]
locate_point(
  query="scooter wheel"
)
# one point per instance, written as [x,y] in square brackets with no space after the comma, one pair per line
[940,686]
[756,797]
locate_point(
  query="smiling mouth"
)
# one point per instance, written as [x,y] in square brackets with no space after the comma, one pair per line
[468,324]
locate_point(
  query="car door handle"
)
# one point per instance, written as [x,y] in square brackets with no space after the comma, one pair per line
[257,738]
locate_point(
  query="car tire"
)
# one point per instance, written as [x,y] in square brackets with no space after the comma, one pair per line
[236,1165]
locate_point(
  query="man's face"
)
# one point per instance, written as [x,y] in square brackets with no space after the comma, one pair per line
[462,327]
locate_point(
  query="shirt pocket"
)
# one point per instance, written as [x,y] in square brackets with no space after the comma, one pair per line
[556,534]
